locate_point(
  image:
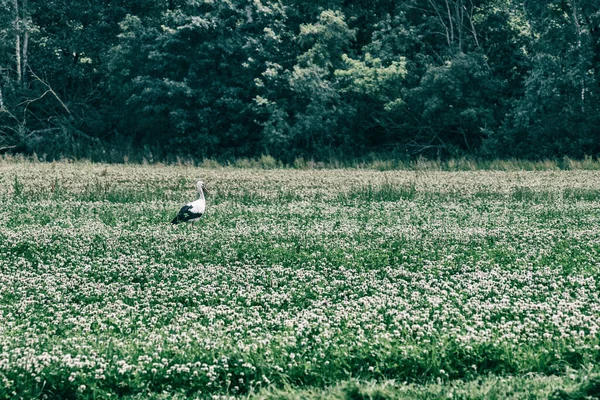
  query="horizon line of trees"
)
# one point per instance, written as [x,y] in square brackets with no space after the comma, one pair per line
[289,78]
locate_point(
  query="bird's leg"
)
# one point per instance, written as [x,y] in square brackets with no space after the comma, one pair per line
[193,224]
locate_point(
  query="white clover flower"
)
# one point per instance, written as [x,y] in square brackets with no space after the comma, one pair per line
[466,270]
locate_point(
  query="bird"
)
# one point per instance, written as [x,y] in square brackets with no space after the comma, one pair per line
[192,212]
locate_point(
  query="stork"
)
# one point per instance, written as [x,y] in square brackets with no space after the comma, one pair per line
[192,212]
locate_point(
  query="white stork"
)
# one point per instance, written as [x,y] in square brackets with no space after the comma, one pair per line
[192,212]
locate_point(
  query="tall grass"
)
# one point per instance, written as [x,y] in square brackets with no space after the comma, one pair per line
[378,164]
[386,191]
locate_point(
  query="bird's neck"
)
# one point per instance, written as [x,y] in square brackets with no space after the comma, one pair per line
[201,194]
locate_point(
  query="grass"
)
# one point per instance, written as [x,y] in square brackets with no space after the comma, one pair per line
[574,386]
[368,162]
[298,283]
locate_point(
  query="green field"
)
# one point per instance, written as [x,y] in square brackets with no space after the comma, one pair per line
[341,283]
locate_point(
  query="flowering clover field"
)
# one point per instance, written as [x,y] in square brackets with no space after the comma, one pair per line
[297,279]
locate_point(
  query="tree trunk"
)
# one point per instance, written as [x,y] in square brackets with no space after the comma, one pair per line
[450,22]
[459,23]
[25,43]
[17,41]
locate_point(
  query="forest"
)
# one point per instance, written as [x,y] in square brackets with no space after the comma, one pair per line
[326,79]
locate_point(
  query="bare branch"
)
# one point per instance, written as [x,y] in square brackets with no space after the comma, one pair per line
[41,131]
[19,122]
[472,13]
[51,91]
[28,102]
[441,19]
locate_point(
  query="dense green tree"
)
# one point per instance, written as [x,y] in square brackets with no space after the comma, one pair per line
[290,78]
[318,108]
[373,89]
[558,113]
[190,78]
[54,80]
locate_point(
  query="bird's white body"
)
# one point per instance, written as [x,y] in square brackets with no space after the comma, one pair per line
[194,210]
[198,207]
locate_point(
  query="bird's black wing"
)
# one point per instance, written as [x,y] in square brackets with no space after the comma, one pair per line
[185,214]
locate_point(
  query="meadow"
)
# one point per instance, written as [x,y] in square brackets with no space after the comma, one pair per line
[317,283]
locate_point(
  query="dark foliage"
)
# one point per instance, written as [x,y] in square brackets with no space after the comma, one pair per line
[320,80]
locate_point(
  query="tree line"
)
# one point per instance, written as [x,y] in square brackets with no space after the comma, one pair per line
[290,78]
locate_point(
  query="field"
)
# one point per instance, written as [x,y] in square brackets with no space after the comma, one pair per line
[338,284]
